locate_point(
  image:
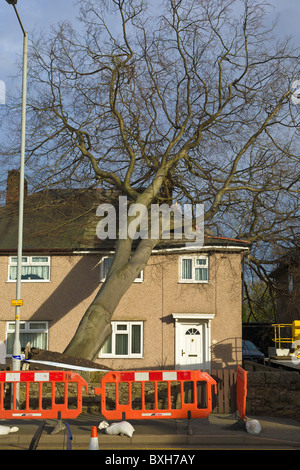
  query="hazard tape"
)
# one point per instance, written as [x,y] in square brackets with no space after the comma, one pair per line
[66,366]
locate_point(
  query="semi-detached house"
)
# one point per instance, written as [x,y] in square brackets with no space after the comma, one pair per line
[183,311]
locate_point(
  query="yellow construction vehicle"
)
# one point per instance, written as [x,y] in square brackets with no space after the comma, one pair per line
[287,344]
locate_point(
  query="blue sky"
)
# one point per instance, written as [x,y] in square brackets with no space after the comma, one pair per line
[35,15]
[41,14]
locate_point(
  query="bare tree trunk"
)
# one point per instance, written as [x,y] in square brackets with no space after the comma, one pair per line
[95,326]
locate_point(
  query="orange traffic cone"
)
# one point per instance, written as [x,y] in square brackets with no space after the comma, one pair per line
[94,444]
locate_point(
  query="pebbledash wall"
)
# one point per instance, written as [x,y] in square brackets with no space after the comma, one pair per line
[74,281]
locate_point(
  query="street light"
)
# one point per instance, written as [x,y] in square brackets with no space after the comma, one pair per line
[16,356]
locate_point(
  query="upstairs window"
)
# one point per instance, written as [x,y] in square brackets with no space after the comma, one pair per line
[194,269]
[33,269]
[105,265]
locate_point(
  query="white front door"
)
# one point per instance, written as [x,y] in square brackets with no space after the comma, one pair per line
[192,343]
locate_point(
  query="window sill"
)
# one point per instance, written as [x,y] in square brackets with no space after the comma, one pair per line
[29,280]
[111,356]
[134,282]
[186,281]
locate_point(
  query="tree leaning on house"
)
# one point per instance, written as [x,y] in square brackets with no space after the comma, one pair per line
[186,101]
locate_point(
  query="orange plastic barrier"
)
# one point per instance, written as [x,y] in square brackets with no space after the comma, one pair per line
[46,394]
[241,392]
[156,394]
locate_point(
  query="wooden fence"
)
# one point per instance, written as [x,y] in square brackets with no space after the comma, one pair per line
[225,400]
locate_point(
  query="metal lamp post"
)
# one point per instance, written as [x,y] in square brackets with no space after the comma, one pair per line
[16,357]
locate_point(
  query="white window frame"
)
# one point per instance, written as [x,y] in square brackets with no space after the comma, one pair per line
[194,267]
[29,262]
[27,327]
[104,268]
[115,331]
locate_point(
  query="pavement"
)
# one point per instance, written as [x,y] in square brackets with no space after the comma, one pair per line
[217,431]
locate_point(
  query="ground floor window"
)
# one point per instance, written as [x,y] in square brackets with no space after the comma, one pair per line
[126,340]
[33,332]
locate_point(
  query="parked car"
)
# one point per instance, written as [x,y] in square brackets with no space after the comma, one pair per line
[251,352]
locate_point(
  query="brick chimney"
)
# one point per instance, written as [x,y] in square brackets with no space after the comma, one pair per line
[13,187]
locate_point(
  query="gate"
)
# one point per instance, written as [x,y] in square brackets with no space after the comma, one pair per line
[156,394]
[45,394]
